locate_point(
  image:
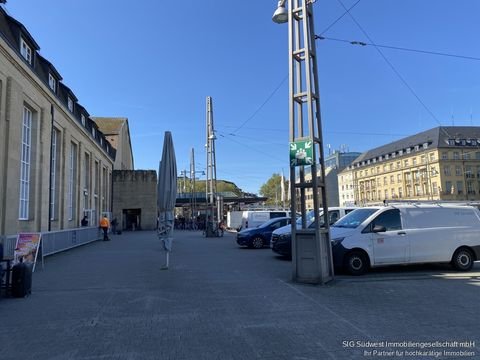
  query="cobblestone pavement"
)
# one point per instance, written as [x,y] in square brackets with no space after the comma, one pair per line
[111,300]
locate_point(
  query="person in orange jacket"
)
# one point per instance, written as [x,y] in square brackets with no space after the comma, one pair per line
[104,225]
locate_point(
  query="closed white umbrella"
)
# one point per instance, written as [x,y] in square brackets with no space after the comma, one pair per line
[167,195]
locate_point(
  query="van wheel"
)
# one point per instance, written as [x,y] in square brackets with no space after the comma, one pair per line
[356,263]
[463,259]
[257,242]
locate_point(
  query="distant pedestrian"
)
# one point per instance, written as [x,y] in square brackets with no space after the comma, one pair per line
[104,225]
[114,225]
[84,221]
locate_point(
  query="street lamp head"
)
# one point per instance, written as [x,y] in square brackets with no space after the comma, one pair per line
[280,16]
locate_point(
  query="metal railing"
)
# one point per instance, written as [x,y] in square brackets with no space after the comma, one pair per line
[57,241]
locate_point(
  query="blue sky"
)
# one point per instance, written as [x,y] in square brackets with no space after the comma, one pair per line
[155,62]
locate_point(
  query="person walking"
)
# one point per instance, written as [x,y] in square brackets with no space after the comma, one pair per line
[104,225]
[114,225]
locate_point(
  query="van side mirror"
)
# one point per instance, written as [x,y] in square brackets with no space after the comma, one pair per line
[379,228]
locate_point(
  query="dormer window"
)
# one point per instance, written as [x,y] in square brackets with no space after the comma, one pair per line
[52,82]
[26,51]
[70,104]
[82,117]
[93,132]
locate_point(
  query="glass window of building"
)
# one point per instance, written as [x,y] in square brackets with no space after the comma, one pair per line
[418,190]
[26,51]
[460,187]
[456,155]
[25,165]
[458,170]
[470,187]
[444,155]
[448,187]
[70,104]
[52,82]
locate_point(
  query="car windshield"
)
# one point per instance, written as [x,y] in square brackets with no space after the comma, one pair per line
[310,219]
[355,218]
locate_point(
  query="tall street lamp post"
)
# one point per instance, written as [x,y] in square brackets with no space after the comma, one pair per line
[311,249]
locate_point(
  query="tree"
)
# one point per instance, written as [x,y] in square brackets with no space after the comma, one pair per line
[222,186]
[272,189]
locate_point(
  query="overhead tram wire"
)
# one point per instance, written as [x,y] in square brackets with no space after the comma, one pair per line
[262,105]
[394,69]
[339,18]
[286,77]
[254,149]
[361,43]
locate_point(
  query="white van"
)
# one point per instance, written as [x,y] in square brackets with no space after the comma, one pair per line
[406,234]
[254,218]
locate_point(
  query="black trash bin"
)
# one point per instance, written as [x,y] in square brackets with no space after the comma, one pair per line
[22,279]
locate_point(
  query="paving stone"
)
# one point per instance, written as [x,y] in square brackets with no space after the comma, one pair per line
[111,300]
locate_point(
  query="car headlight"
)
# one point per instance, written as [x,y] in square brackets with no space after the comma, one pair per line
[337,241]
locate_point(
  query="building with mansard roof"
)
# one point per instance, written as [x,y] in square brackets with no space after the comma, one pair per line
[442,163]
[55,162]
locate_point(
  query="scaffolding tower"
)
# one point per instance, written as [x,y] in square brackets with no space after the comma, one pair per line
[311,250]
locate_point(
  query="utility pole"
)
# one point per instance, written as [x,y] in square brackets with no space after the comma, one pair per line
[193,196]
[211,183]
[311,249]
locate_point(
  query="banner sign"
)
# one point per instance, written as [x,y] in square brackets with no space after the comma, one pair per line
[26,249]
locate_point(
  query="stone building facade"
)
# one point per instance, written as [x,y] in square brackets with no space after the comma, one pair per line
[334,163]
[135,199]
[442,163]
[55,164]
[117,131]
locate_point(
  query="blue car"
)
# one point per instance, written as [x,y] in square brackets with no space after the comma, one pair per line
[260,236]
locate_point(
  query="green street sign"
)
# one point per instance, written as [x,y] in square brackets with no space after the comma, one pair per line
[301,153]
